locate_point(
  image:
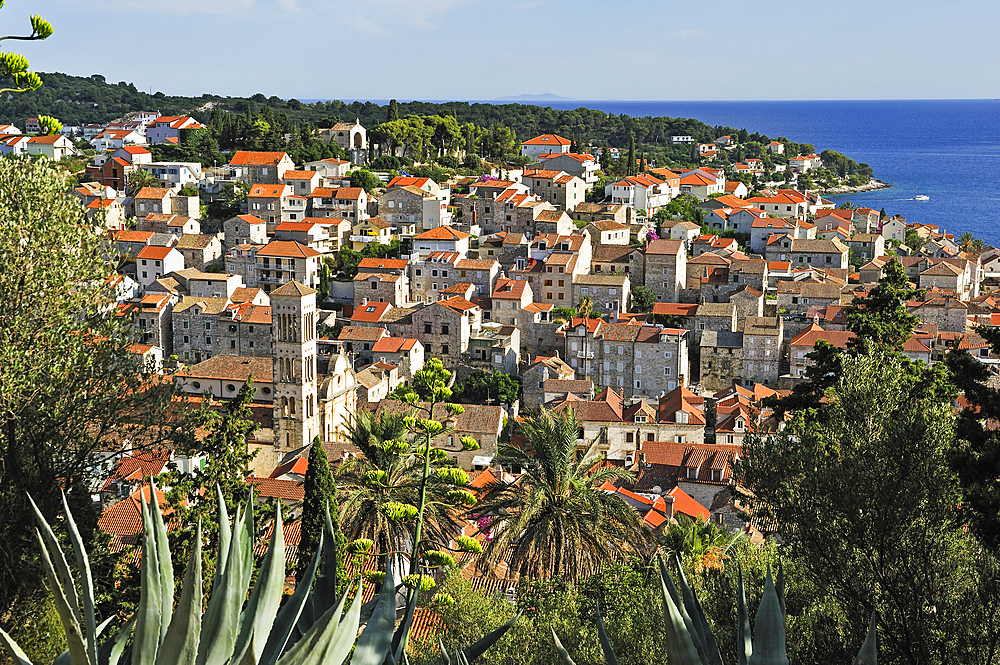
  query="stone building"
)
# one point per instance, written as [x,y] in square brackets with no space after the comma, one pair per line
[665,268]
[381,287]
[265,167]
[721,359]
[406,353]
[796,298]
[763,337]
[445,328]
[283,261]
[609,294]
[242,260]
[433,274]
[509,298]
[210,326]
[720,317]
[152,320]
[538,372]
[200,251]
[559,188]
[245,229]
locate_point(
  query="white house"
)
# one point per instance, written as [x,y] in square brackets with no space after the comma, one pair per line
[167,129]
[153,262]
[55,146]
[112,139]
[641,191]
[178,174]
[14,145]
[545,144]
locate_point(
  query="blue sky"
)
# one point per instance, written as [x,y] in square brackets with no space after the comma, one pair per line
[478,49]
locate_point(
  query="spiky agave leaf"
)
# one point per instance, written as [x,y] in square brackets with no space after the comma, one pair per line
[474,651]
[769,628]
[689,630]
[221,620]
[64,658]
[86,584]
[258,616]
[402,633]
[146,640]
[779,587]
[290,612]
[331,638]
[111,650]
[869,650]
[180,644]
[325,591]
[710,648]
[374,643]
[744,644]
[679,636]
[561,650]
[15,652]
[163,565]
[609,654]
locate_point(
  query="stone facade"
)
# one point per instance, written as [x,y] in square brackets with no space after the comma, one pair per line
[245,229]
[207,327]
[609,294]
[721,359]
[665,268]
[762,347]
[445,327]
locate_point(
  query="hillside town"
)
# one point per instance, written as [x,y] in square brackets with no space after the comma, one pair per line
[664,334]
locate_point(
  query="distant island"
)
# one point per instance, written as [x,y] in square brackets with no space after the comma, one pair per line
[544,97]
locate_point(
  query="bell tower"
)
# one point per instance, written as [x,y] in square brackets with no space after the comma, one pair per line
[293,336]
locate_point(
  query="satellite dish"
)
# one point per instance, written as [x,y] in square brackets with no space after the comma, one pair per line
[657,489]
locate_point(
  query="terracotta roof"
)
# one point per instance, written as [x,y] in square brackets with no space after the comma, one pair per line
[675,309]
[390,264]
[276,488]
[267,191]
[548,139]
[442,233]
[248,158]
[138,466]
[361,334]
[153,193]
[476,264]
[287,248]
[297,464]
[509,289]
[123,520]
[664,246]
[232,368]
[394,344]
[154,252]
[370,313]
[814,333]
[686,505]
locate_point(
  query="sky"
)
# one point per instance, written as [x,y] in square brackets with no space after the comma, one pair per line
[489,49]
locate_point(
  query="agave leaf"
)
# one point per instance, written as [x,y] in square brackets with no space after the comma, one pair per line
[63,658]
[67,614]
[289,613]
[258,617]
[63,577]
[678,604]
[769,629]
[679,638]
[374,643]
[744,644]
[180,644]
[247,538]
[869,650]
[221,618]
[561,650]
[147,629]
[779,587]
[330,639]
[476,650]
[402,633]
[110,652]
[444,653]
[86,583]
[166,569]
[13,650]
[325,591]
[225,534]
[709,647]
[609,654]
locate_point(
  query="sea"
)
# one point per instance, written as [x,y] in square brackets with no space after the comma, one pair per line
[947,150]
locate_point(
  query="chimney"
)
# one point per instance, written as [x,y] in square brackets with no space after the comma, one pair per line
[669,500]
[364,301]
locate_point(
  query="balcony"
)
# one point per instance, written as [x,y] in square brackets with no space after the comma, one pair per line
[364,239]
[584,354]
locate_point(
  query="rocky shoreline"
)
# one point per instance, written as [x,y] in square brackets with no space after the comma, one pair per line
[870,186]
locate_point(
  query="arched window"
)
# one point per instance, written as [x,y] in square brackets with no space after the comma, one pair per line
[284,407]
[291,405]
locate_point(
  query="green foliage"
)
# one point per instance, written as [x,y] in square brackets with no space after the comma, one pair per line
[643,298]
[14,67]
[556,522]
[700,545]
[489,388]
[684,207]
[365,179]
[69,384]
[881,317]
[867,503]
[188,191]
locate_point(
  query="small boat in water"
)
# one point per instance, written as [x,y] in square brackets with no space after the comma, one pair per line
[921,197]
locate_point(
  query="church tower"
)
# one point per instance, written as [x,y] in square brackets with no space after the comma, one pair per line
[293,336]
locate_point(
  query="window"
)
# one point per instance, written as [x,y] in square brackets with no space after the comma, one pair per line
[444,330]
[434,273]
[584,290]
[562,296]
[629,437]
[444,273]
[417,272]
[621,367]
[374,286]
[208,325]
[650,437]
[638,369]
[638,383]
[548,282]
[444,349]
[185,325]
[729,438]
[562,282]
[666,371]
[668,354]
[187,339]
[144,262]
[427,328]
[638,353]
[611,292]
[434,286]
[208,340]
[621,350]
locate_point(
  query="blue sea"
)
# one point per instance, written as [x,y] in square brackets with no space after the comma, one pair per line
[948,150]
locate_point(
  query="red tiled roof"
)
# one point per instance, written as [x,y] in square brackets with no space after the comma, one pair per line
[372,312]
[249,158]
[276,488]
[393,344]
[548,139]
[287,248]
[154,252]
[685,505]
[442,233]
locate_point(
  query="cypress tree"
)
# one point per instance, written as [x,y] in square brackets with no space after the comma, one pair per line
[393,111]
[631,154]
[320,492]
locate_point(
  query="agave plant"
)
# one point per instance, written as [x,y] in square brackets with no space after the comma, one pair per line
[689,639]
[310,627]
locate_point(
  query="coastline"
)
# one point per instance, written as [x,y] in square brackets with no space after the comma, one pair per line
[870,186]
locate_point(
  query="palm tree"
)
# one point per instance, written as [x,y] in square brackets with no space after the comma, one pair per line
[965,241]
[553,521]
[390,472]
[585,307]
[699,542]
[138,179]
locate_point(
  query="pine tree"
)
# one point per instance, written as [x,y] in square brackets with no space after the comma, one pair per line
[320,496]
[393,111]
